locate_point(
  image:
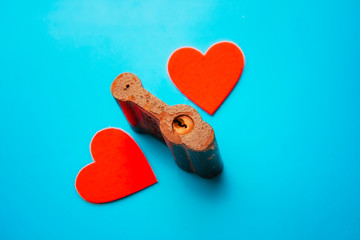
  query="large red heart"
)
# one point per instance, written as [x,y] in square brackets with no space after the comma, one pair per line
[207,79]
[120,168]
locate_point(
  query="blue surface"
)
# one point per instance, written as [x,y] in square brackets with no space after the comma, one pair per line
[289,133]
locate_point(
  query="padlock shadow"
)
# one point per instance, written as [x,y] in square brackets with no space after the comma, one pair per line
[213,189]
[163,163]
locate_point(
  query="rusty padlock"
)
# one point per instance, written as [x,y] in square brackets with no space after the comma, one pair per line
[190,139]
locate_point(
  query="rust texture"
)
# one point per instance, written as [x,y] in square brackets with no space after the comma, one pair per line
[190,139]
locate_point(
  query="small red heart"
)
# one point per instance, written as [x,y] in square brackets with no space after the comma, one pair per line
[207,79]
[120,168]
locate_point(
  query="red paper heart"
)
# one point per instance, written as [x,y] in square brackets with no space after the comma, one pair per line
[120,168]
[207,79]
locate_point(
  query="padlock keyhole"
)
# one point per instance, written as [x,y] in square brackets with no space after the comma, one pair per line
[180,122]
[183,124]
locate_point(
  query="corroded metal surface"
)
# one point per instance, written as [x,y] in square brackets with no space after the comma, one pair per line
[190,139]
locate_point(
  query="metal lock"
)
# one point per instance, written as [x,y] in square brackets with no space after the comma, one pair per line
[190,139]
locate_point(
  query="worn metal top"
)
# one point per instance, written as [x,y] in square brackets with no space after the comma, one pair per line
[179,124]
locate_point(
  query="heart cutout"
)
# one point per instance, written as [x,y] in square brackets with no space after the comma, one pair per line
[207,79]
[120,168]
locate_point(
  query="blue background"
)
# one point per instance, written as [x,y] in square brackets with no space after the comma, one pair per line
[289,133]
